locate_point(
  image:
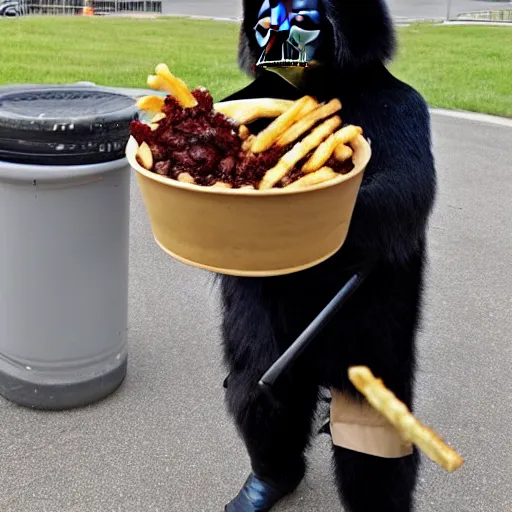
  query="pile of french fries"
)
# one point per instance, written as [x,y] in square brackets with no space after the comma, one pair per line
[397,413]
[311,131]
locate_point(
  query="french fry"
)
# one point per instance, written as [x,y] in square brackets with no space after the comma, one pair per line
[347,134]
[176,87]
[151,103]
[243,132]
[221,184]
[153,124]
[298,152]
[343,152]
[166,81]
[267,137]
[144,156]
[314,178]
[185,177]
[397,413]
[159,117]
[247,111]
[156,83]
[307,122]
[325,150]
[246,146]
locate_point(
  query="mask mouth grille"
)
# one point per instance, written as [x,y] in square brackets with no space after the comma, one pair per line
[285,63]
[283,56]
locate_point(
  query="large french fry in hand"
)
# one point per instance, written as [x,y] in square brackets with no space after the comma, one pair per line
[307,122]
[166,81]
[397,413]
[326,149]
[247,111]
[298,152]
[314,178]
[267,137]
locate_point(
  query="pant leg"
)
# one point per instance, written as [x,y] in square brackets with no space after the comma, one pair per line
[275,434]
[367,483]
[380,325]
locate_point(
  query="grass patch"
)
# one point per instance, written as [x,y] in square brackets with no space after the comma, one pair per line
[458,67]
[118,52]
[454,67]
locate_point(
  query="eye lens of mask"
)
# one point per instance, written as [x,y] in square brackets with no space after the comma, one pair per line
[264,23]
[262,34]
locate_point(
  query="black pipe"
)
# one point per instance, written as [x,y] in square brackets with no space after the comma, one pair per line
[285,361]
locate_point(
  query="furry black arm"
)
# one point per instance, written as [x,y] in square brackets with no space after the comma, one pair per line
[398,190]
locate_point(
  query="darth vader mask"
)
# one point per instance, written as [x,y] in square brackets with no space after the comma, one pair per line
[290,34]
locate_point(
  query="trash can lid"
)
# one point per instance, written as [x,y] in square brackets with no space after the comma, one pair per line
[64,125]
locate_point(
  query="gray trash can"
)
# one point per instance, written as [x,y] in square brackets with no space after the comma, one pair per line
[64,228]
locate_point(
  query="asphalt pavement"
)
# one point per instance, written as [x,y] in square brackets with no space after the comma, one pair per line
[414,9]
[163,442]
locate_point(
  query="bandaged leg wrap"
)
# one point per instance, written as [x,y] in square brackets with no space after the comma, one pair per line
[357,426]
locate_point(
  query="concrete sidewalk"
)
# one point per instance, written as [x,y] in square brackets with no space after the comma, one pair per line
[164,443]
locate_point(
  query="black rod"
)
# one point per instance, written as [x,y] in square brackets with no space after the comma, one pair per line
[286,360]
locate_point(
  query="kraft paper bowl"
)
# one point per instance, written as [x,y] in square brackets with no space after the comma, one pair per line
[249,232]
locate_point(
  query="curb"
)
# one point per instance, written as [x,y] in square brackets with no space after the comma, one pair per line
[194,17]
[477,23]
[233,19]
[475,117]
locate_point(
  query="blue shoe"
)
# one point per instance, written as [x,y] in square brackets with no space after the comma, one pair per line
[256,496]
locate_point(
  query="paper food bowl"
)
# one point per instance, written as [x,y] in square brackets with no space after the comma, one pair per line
[249,232]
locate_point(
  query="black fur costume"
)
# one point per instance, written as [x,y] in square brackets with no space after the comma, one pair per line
[263,316]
